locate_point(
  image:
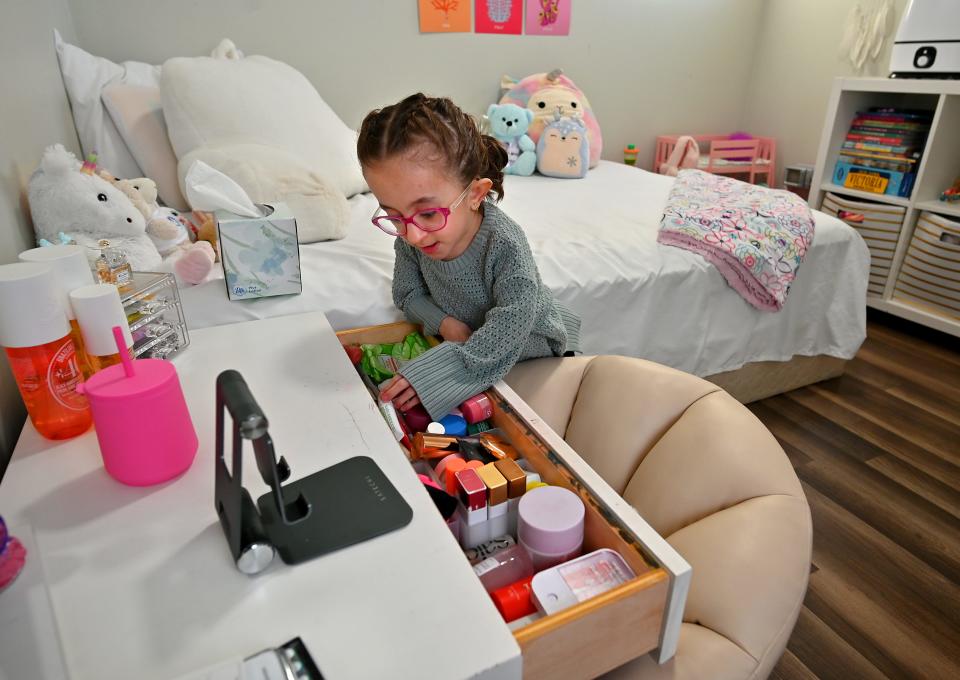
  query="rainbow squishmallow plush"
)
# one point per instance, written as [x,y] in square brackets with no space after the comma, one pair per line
[549,94]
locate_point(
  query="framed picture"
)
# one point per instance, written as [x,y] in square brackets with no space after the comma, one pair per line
[548,17]
[499,16]
[444,16]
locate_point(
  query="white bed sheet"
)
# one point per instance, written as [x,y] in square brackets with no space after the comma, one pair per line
[595,244]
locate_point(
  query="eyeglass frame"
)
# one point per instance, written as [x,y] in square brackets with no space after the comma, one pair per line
[412,219]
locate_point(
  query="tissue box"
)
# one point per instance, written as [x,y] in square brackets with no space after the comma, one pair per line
[260,255]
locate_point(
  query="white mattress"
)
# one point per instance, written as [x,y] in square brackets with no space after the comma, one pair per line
[594,240]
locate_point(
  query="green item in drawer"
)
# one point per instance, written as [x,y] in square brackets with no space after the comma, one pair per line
[381,362]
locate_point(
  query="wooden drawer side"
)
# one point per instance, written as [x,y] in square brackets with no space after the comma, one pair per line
[599,635]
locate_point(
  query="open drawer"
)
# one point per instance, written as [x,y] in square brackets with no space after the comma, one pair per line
[599,634]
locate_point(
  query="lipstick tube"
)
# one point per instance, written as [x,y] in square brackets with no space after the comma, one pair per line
[496,483]
[516,486]
[433,446]
[472,493]
[454,465]
[498,447]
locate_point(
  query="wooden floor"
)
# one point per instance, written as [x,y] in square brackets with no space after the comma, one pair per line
[878,453]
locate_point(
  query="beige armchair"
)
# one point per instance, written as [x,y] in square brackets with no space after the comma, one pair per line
[711,479]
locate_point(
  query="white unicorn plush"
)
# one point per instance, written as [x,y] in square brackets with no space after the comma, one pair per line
[86,208]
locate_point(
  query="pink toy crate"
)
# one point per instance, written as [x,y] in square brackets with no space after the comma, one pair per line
[724,156]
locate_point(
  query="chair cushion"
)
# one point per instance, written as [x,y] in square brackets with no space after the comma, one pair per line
[712,480]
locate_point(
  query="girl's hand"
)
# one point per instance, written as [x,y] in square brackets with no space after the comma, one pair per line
[401,393]
[454,330]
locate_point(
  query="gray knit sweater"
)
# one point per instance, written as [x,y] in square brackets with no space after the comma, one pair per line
[493,287]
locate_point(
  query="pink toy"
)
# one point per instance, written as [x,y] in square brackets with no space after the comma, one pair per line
[549,94]
[142,422]
[685,154]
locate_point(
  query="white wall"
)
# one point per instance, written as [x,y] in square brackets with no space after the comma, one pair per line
[33,114]
[634,59]
[796,59]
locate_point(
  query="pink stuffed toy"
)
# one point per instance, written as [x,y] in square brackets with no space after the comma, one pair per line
[170,232]
[549,95]
[686,154]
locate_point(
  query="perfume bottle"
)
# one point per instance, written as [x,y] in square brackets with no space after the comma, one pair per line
[98,310]
[36,336]
[71,271]
[113,267]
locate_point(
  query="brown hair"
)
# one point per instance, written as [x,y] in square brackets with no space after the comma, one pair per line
[438,123]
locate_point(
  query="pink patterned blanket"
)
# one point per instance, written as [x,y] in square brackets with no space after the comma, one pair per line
[757,237]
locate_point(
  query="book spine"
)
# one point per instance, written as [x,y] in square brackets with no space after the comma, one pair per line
[884,148]
[890,125]
[874,139]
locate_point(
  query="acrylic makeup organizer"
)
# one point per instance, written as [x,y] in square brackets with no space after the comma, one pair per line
[155,316]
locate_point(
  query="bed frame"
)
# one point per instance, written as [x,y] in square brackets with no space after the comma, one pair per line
[762,379]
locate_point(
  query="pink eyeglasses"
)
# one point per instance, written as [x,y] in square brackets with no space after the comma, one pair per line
[428,219]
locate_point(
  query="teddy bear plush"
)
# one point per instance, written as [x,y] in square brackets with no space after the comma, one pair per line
[170,232]
[508,125]
[86,208]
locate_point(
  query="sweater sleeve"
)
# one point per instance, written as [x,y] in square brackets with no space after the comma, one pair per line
[410,293]
[448,374]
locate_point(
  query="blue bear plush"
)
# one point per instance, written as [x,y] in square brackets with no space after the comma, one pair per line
[508,125]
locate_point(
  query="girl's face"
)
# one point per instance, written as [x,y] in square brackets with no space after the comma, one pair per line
[407,184]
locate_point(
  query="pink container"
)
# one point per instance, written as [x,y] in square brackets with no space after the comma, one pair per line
[477,408]
[550,525]
[142,422]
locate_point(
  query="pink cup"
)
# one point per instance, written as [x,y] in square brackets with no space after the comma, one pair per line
[142,422]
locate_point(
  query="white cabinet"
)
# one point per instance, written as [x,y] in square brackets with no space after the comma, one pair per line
[938,167]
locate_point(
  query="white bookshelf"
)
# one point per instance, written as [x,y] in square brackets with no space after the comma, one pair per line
[939,166]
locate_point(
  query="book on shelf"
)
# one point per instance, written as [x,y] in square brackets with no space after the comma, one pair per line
[872,179]
[870,147]
[881,150]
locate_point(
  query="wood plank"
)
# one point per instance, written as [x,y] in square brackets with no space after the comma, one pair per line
[840,473]
[938,398]
[913,522]
[915,344]
[811,432]
[891,442]
[791,668]
[925,486]
[886,572]
[929,431]
[911,364]
[824,654]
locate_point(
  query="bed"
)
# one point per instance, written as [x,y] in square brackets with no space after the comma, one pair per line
[595,244]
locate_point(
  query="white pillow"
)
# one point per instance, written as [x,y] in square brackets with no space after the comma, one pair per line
[261,101]
[84,77]
[269,173]
[138,115]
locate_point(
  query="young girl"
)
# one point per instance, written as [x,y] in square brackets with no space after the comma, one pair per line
[463,269]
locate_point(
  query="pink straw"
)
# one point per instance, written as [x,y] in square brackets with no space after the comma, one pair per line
[124,352]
